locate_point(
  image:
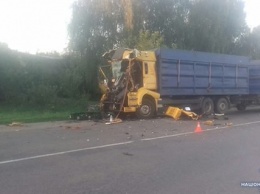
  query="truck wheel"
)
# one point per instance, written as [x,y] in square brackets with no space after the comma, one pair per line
[146,110]
[207,106]
[222,106]
[241,107]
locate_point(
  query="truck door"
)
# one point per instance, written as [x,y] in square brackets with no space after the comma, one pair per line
[149,75]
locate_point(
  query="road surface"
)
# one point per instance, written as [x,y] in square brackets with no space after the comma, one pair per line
[159,156]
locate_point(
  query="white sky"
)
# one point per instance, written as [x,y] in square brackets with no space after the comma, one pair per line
[35,25]
[252,11]
[41,25]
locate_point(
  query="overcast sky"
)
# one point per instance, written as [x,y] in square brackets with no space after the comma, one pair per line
[41,25]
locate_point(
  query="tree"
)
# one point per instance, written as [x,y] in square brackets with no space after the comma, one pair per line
[215,26]
[168,17]
[101,25]
[249,44]
[254,40]
[145,41]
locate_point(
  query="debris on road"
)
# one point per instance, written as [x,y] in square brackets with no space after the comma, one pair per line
[16,124]
[114,121]
[218,117]
[229,124]
[209,122]
[176,113]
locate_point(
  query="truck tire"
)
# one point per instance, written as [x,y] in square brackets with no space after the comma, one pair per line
[146,110]
[221,106]
[207,106]
[241,107]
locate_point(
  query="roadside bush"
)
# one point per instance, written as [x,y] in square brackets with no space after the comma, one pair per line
[42,95]
[45,81]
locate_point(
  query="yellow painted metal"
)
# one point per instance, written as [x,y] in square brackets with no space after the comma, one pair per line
[135,98]
[149,75]
[143,91]
[192,115]
[132,99]
[129,109]
[126,54]
[176,113]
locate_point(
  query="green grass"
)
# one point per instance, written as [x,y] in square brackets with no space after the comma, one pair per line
[32,114]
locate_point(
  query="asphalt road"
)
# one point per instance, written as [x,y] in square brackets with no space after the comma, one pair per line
[157,156]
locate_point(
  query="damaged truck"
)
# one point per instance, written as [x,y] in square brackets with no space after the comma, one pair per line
[147,82]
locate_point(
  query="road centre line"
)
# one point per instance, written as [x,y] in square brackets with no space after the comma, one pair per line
[65,152]
[117,144]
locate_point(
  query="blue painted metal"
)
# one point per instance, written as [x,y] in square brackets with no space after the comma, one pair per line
[254,77]
[189,73]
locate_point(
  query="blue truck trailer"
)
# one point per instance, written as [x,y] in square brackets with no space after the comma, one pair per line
[147,81]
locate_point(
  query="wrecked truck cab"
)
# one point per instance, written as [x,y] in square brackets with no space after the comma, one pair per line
[128,82]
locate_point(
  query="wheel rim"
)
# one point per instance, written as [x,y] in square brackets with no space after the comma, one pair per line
[222,106]
[145,109]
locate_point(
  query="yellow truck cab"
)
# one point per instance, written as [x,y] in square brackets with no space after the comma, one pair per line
[129,82]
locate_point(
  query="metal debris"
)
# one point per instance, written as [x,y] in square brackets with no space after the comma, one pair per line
[16,124]
[229,124]
[209,122]
[114,121]
[176,113]
[220,117]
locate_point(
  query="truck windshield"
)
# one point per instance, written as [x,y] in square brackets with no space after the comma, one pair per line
[116,70]
[119,68]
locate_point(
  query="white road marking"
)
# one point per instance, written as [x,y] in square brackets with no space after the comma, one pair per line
[122,143]
[65,152]
[188,133]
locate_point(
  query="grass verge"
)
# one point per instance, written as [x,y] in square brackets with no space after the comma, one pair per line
[32,114]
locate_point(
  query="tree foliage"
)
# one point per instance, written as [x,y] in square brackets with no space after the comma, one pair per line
[215,26]
[254,41]
[147,40]
[39,80]
[205,25]
[249,44]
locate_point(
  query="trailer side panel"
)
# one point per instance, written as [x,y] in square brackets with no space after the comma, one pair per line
[197,73]
[254,77]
